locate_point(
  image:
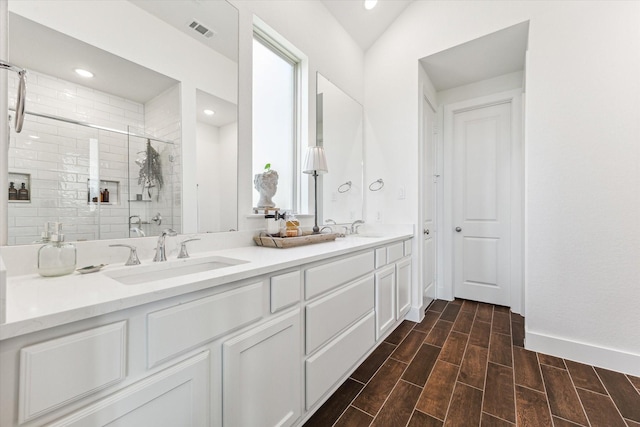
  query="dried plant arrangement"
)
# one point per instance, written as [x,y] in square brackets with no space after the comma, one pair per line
[151,171]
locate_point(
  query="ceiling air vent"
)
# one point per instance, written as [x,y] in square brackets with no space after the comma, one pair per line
[202,29]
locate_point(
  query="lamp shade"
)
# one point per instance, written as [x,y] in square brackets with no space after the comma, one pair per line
[315,161]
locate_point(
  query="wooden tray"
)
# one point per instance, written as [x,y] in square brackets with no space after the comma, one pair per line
[291,242]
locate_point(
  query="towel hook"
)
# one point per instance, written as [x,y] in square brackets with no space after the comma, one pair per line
[376,185]
[22,93]
[344,190]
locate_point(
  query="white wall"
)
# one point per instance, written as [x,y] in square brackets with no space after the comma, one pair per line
[582,154]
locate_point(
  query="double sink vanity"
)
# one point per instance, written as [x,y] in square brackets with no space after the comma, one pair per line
[235,335]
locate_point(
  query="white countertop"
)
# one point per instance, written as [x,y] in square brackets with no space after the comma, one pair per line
[35,303]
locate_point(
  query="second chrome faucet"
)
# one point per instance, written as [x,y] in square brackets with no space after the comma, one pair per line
[160,247]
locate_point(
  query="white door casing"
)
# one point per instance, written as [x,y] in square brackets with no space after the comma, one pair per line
[429,192]
[483,198]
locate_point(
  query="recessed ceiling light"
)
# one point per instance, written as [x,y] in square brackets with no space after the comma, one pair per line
[370,4]
[209,112]
[83,73]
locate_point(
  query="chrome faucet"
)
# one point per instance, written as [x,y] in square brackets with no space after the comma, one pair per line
[355,225]
[160,251]
[138,229]
[330,221]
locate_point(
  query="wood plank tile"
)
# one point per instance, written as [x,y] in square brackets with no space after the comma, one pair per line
[500,349]
[623,393]
[546,359]
[457,301]
[399,406]
[464,322]
[354,417]
[631,423]
[562,396]
[491,421]
[439,333]
[365,371]
[376,391]
[420,367]
[474,366]
[331,410]
[484,312]
[436,395]
[408,348]
[561,422]
[430,319]
[526,369]
[480,334]
[418,419]
[635,381]
[469,306]
[465,408]
[516,318]
[501,309]
[501,323]
[499,399]
[438,305]
[454,347]
[450,312]
[584,376]
[532,408]
[400,332]
[517,334]
[600,409]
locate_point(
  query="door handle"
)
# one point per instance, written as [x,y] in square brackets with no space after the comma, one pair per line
[458,229]
[425,231]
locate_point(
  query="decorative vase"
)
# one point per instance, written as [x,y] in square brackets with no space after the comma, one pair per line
[266,184]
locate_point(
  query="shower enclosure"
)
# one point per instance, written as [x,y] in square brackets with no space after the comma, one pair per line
[100,183]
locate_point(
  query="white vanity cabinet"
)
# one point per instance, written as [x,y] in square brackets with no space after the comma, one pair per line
[261,377]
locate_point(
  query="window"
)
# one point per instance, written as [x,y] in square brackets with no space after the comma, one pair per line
[275,117]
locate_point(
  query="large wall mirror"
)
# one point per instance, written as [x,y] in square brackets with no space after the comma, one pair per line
[339,129]
[105,155]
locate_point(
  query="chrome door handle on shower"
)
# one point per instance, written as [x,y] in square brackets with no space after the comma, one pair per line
[22,93]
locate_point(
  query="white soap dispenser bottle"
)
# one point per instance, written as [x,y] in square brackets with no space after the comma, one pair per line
[55,257]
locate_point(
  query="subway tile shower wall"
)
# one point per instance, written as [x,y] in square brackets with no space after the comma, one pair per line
[62,157]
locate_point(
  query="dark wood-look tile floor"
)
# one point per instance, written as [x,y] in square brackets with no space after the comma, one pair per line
[465,365]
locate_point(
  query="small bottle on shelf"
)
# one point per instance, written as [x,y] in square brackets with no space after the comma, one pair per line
[13,192]
[106,195]
[23,193]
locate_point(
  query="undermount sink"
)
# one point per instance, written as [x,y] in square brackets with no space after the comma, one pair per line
[170,269]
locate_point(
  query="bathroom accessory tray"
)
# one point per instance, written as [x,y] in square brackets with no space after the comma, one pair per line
[290,242]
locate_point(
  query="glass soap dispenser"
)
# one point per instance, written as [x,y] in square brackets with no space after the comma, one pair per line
[55,257]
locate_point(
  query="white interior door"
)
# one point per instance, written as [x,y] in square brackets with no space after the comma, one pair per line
[481,203]
[429,204]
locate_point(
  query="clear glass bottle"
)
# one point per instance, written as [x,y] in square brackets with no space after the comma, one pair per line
[55,257]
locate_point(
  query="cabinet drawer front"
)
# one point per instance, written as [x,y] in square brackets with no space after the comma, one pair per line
[177,396]
[176,329]
[330,364]
[328,276]
[407,247]
[333,313]
[395,252]
[381,257]
[285,290]
[56,372]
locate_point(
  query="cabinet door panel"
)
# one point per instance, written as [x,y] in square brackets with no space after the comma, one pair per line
[385,299]
[176,396]
[403,286]
[261,381]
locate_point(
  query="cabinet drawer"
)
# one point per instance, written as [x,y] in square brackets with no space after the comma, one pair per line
[395,252]
[407,247]
[381,257]
[285,290]
[57,372]
[175,329]
[331,363]
[328,276]
[333,313]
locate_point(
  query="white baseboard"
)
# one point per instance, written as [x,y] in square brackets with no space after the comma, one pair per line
[415,314]
[608,358]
